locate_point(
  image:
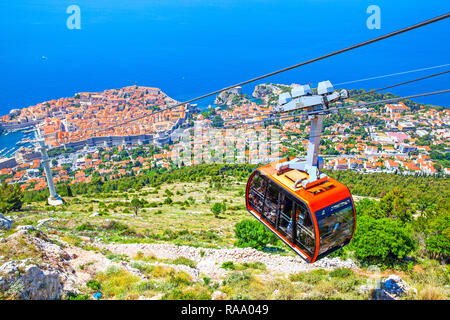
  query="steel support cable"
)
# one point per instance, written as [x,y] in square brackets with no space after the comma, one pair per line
[385,101]
[327,111]
[328,135]
[371,91]
[393,74]
[361,44]
[399,84]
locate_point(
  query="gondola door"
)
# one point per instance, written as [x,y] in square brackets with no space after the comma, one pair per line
[285,224]
[271,204]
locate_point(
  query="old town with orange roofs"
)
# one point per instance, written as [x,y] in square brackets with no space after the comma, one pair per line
[85,140]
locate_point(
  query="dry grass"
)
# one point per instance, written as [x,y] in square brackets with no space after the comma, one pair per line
[19,247]
[116,283]
[431,292]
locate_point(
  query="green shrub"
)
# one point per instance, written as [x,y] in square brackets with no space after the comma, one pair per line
[143,267]
[144,286]
[345,285]
[379,240]
[307,277]
[159,271]
[243,277]
[341,273]
[85,227]
[178,294]
[94,285]
[218,208]
[117,257]
[251,233]
[117,283]
[206,280]
[11,197]
[437,242]
[319,272]
[169,234]
[228,265]
[209,235]
[255,265]
[115,226]
[185,261]
[181,278]
[73,296]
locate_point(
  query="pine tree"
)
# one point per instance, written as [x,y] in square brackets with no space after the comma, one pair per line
[11,197]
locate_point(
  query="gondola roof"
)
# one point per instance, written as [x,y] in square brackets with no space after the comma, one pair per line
[326,192]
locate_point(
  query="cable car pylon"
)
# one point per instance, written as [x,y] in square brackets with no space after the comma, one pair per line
[54,199]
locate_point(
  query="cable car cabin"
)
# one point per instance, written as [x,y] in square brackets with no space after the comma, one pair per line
[324,214]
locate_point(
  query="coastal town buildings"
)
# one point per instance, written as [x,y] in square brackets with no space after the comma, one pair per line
[393,139]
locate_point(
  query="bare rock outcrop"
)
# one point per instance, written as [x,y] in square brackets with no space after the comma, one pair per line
[392,288]
[5,223]
[230,97]
[265,90]
[33,267]
[19,280]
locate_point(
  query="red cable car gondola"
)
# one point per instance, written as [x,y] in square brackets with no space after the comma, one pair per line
[324,213]
[309,211]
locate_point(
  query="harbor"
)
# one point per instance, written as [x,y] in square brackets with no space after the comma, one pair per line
[11,141]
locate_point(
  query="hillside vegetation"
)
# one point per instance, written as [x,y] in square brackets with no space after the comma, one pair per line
[123,237]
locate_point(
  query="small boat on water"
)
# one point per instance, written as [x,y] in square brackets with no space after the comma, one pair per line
[23,141]
[13,152]
[28,130]
[10,151]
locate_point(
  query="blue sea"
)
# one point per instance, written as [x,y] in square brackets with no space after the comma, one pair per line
[191,47]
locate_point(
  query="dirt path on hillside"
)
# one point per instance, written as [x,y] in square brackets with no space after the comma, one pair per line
[209,261]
